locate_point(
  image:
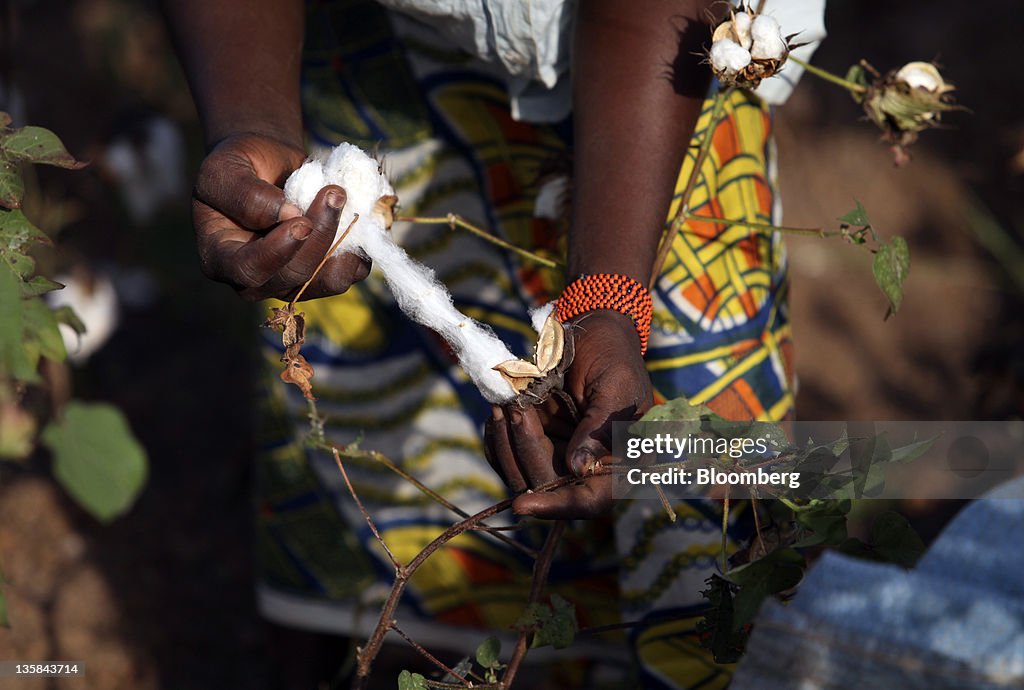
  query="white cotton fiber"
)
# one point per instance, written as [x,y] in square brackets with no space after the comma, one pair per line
[741,26]
[418,293]
[768,40]
[728,56]
[539,315]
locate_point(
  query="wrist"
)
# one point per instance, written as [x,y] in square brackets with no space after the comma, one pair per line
[609,292]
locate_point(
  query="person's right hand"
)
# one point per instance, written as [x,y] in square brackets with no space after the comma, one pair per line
[252,239]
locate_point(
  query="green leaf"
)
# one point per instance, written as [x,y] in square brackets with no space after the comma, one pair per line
[23,265]
[487,653]
[12,187]
[895,541]
[36,145]
[857,74]
[4,622]
[16,230]
[558,628]
[912,451]
[67,316]
[858,216]
[39,285]
[96,458]
[14,359]
[826,522]
[411,681]
[780,570]
[716,629]
[41,326]
[677,410]
[891,266]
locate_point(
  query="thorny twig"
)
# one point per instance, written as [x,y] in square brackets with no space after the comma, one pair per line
[399,569]
[540,577]
[368,653]
[381,459]
[428,656]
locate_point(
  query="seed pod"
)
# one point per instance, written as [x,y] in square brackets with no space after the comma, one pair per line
[907,101]
[550,345]
[747,49]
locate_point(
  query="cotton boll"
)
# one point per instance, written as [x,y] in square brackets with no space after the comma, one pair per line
[922,75]
[416,289]
[303,184]
[765,28]
[539,315]
[729,57]
[768,41]
[741,28]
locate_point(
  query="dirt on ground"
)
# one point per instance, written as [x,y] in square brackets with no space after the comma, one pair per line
[162,598]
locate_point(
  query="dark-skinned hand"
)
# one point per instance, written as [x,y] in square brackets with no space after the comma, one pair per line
[253,240]
[532,446]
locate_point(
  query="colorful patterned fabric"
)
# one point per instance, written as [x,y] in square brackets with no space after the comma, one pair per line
[449,144]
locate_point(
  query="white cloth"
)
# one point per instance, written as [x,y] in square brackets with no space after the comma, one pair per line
[531,40]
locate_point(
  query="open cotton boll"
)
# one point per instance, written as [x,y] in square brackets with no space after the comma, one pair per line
[539,315]
[922,75]
[768,41]
[347,166]
[417,291]
[741,27]
[729,56]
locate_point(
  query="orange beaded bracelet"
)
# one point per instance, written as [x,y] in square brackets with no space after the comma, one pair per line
[608,291]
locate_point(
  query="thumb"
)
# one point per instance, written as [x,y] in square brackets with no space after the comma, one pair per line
[590,442]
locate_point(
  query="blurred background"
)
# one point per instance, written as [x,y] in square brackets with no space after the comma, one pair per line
[162,598]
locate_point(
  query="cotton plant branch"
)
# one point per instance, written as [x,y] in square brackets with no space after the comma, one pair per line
[717,110]
[366,655]
[454,221]
[541,568]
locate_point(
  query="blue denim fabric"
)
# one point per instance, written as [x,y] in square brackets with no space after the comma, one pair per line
[954,622]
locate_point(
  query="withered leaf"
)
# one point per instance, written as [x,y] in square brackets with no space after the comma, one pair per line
[518,373]
[550,345]
[291,325]
[299,372]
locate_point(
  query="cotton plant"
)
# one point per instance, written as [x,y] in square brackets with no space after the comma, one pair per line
[747,47]
[364,229]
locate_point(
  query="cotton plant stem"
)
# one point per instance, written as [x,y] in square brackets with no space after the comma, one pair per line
[829,77]
[428,656]
[540,578]
[381,459]
[784,229]
[372,648]
[399,569]
[725,535]
[684,200]
[453,221]
[757,518]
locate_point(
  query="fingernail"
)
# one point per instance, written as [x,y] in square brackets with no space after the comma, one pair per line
[288,211]
[497,413]
[515,416]
[301,231]
[581,461]
[335,199]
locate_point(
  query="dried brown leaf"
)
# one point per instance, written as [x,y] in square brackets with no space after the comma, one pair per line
[299,372]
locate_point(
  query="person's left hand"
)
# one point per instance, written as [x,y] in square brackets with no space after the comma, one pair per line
[532,446]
